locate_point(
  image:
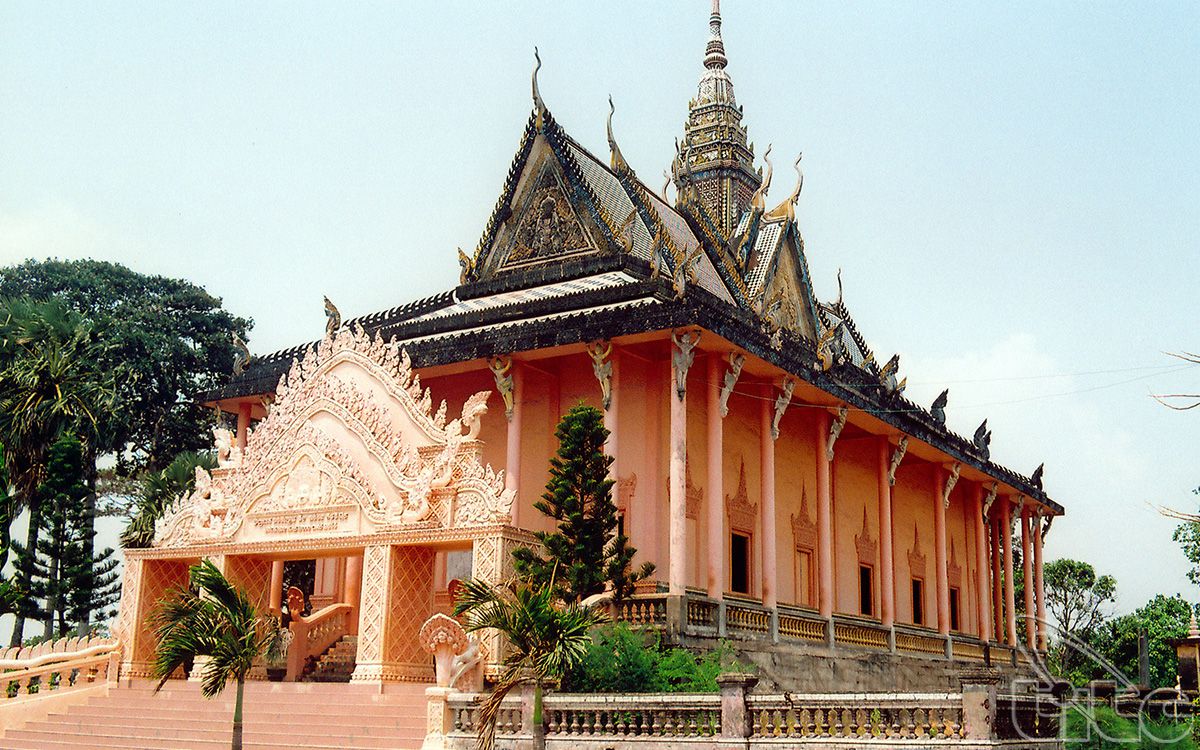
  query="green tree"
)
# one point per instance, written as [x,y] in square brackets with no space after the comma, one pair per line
[173,336]
[545,638]
[586,552]
[1162,618]
[51,382]
[158,489]
[1076,600]
[211,617]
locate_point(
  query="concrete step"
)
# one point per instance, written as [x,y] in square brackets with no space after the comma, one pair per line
[278,716]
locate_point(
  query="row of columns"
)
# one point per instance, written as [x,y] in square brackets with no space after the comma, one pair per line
[722,374]
[715,574]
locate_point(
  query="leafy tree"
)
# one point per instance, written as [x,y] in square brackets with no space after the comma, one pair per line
[1076,599]
[172,334]
[51,382]
[212,617]
[585,552]
[1163,618]
[158,490]
[545,637]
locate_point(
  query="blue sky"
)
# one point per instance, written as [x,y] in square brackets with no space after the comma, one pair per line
[1011,190]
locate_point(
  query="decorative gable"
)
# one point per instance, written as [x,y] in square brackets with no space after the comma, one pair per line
[742,513]
[804,530]
[544,225]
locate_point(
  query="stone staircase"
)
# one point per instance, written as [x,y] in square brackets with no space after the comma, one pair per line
[277,716]
[336,664]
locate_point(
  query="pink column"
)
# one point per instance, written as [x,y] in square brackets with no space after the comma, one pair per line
[1030,584]
[677,562]
[714,501]
[982,590]
[824,517]
[351,589]
[770,579]
[276,595]
[610,414]
[1039,584]
[243,423]
[1010,600]
[887,565]
[512,457]
[997,581]
[939,533]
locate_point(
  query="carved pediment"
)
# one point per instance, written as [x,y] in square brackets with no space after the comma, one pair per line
[867,548]
[804,529]
[916,558]
[352,445]
[545,225]
[742,513]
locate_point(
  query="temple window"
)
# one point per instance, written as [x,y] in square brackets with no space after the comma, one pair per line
[866,591]
[954,609]
[739,563]
[918,601]
[804,577]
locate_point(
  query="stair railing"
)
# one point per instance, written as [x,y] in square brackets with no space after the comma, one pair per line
[314,635]
[61,665]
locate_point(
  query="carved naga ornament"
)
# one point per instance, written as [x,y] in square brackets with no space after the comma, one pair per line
[951,480]
[782,400]
[602,366]
[990,499]
[333,318]
[501,368]
[897,457]
[736,362]
[352,446]
[835,429]
[682,357]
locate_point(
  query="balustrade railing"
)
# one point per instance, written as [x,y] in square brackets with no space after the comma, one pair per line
[860,633]
[798,624]
[643,610]
[857,719]
[314,634]
[65,664]
[920,643]
[620,716]
[860,716]
[746,617]
[1024,718]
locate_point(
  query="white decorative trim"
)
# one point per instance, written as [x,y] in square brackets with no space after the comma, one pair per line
[897,457]
[782,400]
[682,357]
[835,429]
[951,480]
[737,361]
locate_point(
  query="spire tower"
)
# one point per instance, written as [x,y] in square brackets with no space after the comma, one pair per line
[714,157]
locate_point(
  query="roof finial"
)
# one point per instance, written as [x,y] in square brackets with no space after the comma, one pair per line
[617,161]
[758,200]
[785,210]
[538,105]
[714,53]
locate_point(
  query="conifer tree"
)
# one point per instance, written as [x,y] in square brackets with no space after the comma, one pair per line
[585,552]
[69,583]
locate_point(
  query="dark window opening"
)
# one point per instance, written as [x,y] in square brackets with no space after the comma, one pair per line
[804,577]
[954,609]
[620,524]
[739,563]
[918,601]
[866,592]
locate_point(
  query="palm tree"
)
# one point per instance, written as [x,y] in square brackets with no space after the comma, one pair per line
[544,639]
[211,617]
[158,490]
[51,382]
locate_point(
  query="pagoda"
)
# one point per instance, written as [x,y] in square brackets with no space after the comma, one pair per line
[794,500]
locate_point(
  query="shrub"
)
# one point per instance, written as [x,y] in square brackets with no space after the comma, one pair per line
[621,659]
[1102,728]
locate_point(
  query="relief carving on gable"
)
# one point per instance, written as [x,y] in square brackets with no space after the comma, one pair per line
[351,445]
[548,226]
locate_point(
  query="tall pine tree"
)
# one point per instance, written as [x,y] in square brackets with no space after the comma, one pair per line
[585,553]
[70,584]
